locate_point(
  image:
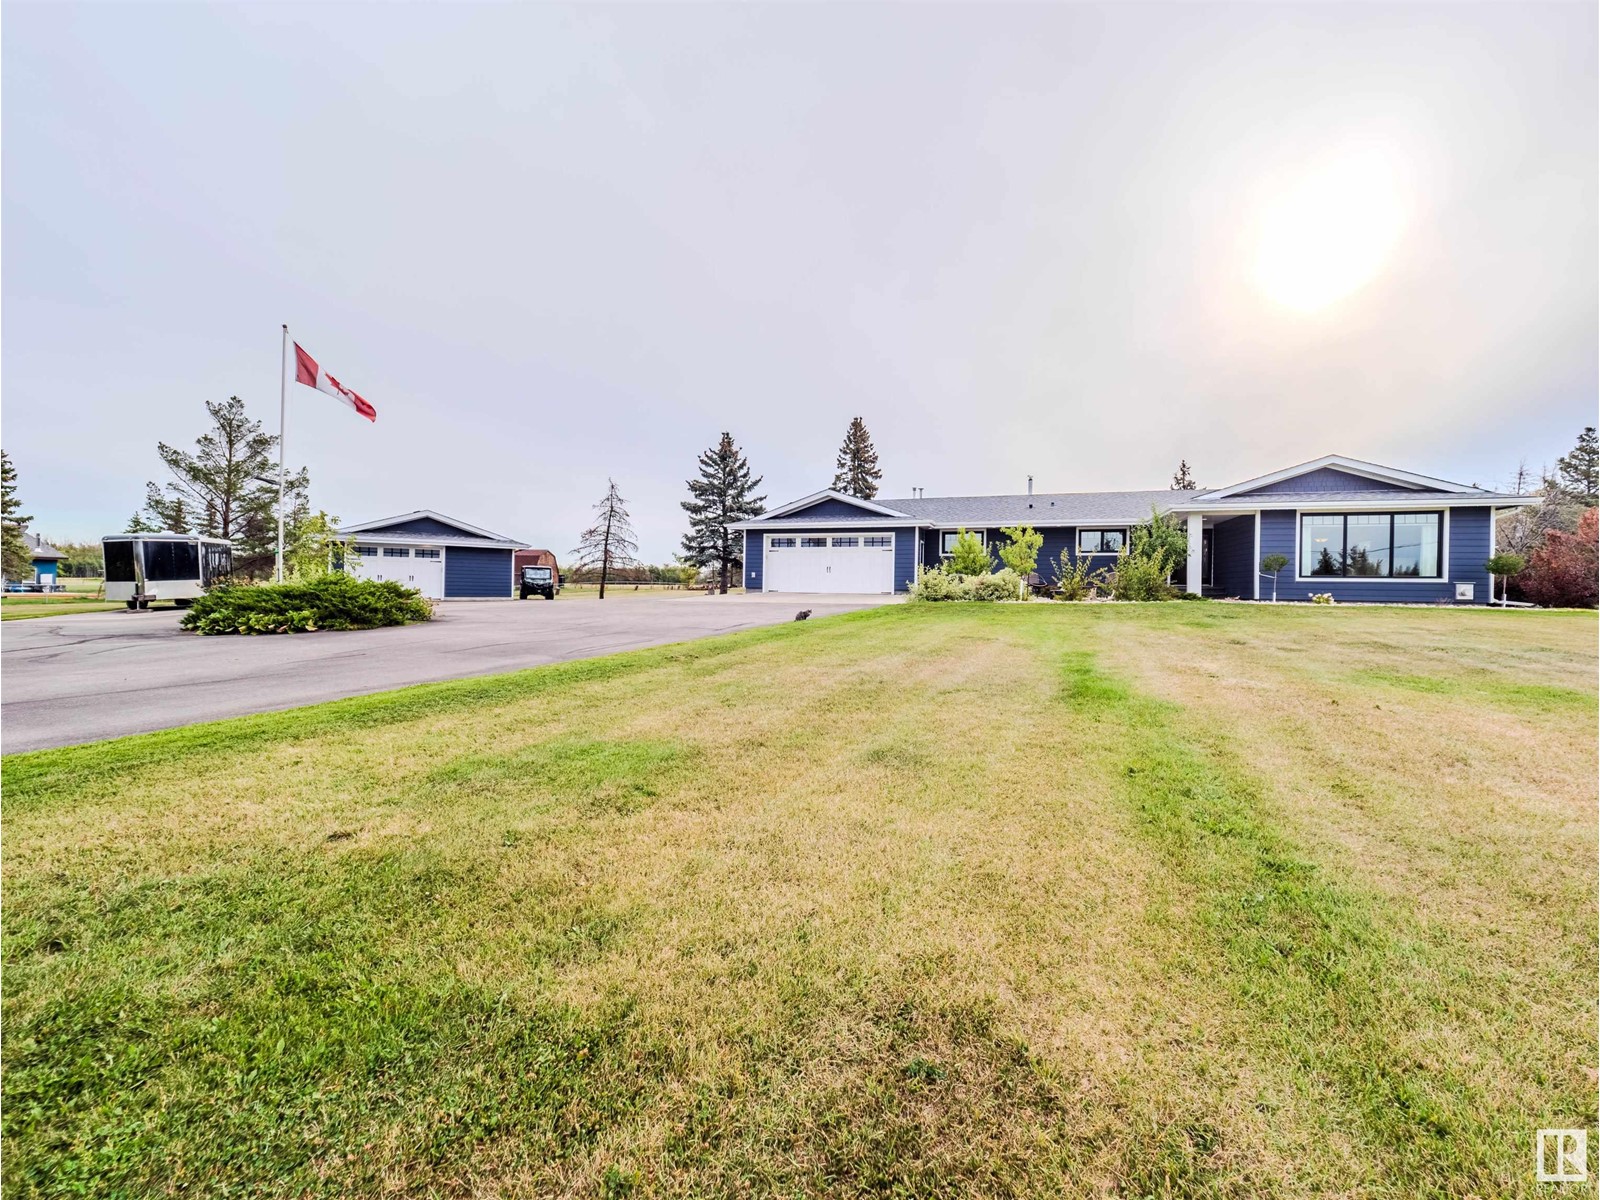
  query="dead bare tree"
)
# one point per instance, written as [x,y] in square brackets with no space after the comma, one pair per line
[608,543]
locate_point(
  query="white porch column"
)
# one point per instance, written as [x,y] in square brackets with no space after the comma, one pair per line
[1196,524]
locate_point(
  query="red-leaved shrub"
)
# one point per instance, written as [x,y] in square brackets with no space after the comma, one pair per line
[1564,572]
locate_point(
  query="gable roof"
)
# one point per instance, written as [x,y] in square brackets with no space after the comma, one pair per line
[386,522]
[39,548]
[829,494]
[1393,477]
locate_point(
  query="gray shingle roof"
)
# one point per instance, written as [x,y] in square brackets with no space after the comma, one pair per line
[39,548]
[1042,508]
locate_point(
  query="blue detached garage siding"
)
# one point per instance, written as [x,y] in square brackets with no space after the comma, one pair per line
[472,572]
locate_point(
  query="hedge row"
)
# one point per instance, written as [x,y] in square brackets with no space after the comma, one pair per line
[326,602]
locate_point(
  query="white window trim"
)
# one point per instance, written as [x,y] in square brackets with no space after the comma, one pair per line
[959,529]
[1079,530]
[1441,579]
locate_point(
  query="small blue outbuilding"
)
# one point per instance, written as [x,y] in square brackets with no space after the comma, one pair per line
[443,558]
[44,558]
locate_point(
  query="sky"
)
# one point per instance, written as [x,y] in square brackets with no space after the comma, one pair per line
[556,245]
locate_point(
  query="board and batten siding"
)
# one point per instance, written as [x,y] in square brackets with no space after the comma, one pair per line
[905,549]
[1469,539]
[472,572]
[832,510]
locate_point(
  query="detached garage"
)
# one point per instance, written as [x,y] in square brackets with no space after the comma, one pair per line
[443,558]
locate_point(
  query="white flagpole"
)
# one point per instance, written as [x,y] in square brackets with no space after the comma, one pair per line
[283,409]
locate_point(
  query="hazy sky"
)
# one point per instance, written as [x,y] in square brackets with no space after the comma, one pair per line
[555,244]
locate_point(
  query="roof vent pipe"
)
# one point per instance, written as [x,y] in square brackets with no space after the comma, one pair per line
[1030,485]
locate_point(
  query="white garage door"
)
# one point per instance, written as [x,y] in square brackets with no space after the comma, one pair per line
[420,567]
[833,562]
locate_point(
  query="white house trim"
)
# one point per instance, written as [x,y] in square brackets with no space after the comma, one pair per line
[817,498]
[428,512]
[423,539]
[1351,466]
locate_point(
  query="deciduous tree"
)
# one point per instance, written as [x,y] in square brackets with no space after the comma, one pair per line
[724,493]
[609,543]
[1564,572]
[856,470]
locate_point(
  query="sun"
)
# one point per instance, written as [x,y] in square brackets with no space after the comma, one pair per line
[1330,234]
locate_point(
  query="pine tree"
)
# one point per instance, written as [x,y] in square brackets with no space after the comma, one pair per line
[719,497]
[1578,473]
[1182,480]
[228,487]
[856,471]
[137,524]
[17,561]
[609,543]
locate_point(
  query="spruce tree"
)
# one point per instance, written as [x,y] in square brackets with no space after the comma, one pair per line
[722,494]
[17,559]
[228,487]
[609,543]
[1578,473]
[856,471]
[1182,480]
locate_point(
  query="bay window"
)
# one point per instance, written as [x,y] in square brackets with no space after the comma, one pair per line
[1368,545]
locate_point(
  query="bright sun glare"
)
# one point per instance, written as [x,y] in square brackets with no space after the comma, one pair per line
[1330,234]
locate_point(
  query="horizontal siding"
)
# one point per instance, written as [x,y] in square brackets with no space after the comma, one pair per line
[830,510]
[420,527]
[754,546]
[472,572]
[1469,549]
[1233,552]
[1324,479]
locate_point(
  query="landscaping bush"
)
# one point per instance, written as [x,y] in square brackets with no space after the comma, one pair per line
[1075,578]
[934,583]
[969,556]
[1002,585]
[1140,577]
[1562,572]
[325,602]
[943,584]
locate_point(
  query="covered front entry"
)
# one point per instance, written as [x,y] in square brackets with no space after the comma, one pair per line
[850,563]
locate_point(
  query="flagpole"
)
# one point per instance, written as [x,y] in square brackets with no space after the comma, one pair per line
[283,409]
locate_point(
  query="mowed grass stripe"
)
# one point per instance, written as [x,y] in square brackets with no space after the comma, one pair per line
[857,906]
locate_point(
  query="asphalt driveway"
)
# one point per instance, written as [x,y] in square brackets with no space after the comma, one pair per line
[100,675]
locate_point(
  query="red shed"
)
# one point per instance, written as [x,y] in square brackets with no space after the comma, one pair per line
[535,558]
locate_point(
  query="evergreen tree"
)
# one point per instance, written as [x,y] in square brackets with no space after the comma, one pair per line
[722,494]
[228,487]
[856,471]
[1182,480]
[16,562]
[609,543]
[137,524]
[1578,473]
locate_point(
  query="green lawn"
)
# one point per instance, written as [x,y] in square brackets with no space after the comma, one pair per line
[25,607]
[1173,900]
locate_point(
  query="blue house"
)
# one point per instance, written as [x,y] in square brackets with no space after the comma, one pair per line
[1360,531]
[443,558]
[44,558]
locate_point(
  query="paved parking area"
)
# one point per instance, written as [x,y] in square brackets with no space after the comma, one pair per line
[99,675]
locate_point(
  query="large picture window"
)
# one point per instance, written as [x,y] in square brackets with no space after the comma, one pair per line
[1371,545]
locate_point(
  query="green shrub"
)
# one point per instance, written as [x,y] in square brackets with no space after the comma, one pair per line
[969,556]
[1075,578]
[1140,577]
[934,583]
[1002,585]
[1322,598]
[323,602]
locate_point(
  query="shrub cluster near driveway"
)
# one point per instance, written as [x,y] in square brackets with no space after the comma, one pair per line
[326,602]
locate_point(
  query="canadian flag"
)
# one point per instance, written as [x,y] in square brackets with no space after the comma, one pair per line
[307,372]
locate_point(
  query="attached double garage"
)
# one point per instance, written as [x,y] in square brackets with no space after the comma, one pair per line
[441,557]
[831,544]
